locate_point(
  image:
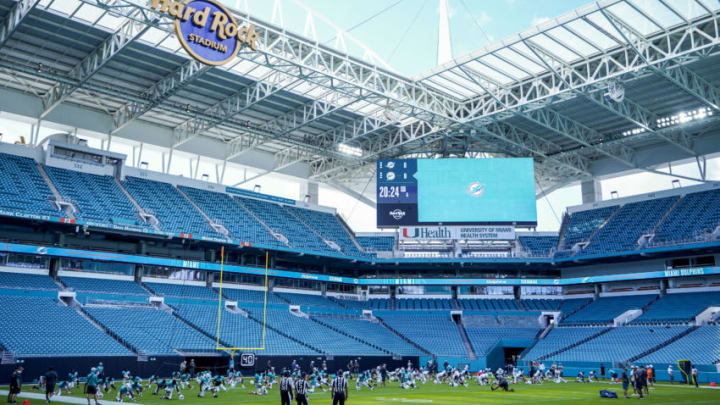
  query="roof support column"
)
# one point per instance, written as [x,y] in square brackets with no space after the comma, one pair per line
[591,191]
[309,190]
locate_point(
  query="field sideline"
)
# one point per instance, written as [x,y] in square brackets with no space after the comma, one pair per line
[569,393]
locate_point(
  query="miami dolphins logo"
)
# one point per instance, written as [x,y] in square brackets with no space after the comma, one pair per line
[476,189]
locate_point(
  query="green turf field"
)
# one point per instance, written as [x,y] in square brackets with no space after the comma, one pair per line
[570,393]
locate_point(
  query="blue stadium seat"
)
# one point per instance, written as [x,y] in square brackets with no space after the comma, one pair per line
[582,224]
[182,291]
[43,327]
[329,226]
[630,222]
[376,243]
[371,332]
[151,330]
[237,330]
[538,246]
[695,215]
[436,333]
[604,309]
[485,338]
[281,221]
[175,213]
[102,285]
[701,346]
[678,307]
[620,344]
[27,281]
[23,189]
[97,198]
[225,210]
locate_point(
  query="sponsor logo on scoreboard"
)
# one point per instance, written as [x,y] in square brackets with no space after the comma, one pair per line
[397,214]
[207,30]
[457,232]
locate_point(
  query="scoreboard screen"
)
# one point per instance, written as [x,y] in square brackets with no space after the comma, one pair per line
[494,191]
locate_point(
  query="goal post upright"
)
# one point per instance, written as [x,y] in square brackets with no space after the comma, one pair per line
[220,308]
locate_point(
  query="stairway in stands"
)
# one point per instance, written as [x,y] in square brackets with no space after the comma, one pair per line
[468,346]
[576,344]
[665,343]
[403,337]
[353,337]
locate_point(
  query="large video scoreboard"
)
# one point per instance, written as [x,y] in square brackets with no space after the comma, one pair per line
[494,191]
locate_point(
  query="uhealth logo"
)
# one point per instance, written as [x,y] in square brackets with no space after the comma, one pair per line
[207,30]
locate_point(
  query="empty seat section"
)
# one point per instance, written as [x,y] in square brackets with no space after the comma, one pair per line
[236,330]
[628,224]
[224,210]
[97,198]
[315,334]
[485,338]
[559,338]
[43,327]
[182,291]
[695,215]
[583,223]
[308,300]
[604,309]
[280,221]
[101,285]
[175,213]
[371,332]
[679,307]
[620,344]
[23,189]
[376,243]
[27,281]
[151,330]
[329,226]
[538,246]
[436,333]
[701,346]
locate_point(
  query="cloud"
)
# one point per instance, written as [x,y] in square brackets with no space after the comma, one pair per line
[538,20]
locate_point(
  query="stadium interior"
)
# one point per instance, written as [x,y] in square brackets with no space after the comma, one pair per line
[104,260]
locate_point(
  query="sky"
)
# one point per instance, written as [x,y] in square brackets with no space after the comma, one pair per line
[404,34]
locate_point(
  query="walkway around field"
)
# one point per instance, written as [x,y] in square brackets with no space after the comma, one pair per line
[63,398]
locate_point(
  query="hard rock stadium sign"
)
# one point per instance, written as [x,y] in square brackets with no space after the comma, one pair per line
[207,30]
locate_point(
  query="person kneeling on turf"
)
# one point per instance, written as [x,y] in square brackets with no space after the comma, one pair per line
[501,383]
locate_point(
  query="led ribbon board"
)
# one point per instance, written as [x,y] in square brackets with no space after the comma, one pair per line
[207,30]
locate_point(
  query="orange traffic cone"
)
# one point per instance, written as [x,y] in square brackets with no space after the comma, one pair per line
[26,402]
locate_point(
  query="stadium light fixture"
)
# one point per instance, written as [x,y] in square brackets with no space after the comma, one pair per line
[680,118]
[350,150]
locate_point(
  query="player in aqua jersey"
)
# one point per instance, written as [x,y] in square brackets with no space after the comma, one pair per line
[170,386]
[91,386]
[137,386]
[185,381]
[260,387]
[125,391]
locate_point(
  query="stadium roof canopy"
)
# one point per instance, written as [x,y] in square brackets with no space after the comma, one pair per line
[615,86]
